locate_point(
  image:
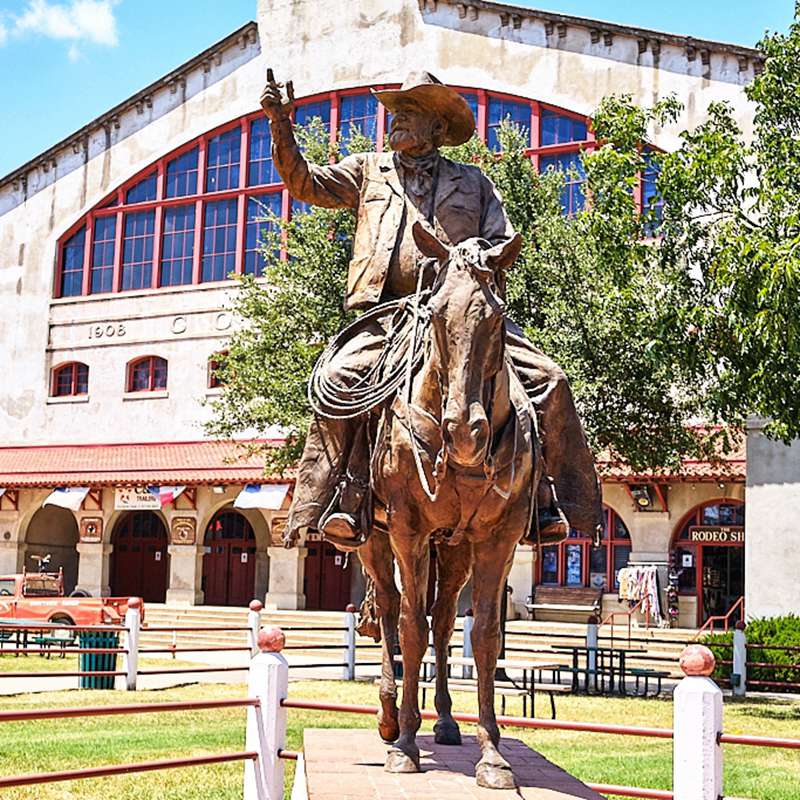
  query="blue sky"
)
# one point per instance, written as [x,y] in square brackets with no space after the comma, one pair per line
[64,62]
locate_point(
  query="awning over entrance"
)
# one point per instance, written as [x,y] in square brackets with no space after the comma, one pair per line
[196,463]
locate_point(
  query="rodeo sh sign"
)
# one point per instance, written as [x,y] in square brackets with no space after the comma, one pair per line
[135,498]
[716,534]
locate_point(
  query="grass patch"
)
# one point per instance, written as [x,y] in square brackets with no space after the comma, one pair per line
[55,744]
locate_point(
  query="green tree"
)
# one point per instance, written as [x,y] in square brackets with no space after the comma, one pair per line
[681,313]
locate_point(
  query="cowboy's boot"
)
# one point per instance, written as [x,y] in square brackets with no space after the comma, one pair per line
[552,523]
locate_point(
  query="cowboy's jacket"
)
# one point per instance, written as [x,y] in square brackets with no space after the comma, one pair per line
[466,204]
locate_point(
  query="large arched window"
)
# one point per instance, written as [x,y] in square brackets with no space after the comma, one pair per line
[70,380]
[578,562]
[197,215]
[148,374]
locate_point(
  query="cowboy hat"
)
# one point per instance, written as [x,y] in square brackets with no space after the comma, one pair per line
[429,93]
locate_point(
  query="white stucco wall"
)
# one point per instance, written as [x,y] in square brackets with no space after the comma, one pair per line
[772,522]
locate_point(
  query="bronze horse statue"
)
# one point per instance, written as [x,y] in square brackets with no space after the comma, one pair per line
[457,461]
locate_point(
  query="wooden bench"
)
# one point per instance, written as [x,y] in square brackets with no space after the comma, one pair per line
[647,674]
[501,688]
[554,602]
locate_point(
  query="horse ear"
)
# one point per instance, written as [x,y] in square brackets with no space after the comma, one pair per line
[503,255]
[428,244]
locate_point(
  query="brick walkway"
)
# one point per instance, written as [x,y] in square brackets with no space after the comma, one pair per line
[348,765]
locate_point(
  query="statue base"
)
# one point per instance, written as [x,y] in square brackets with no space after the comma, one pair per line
[348,765]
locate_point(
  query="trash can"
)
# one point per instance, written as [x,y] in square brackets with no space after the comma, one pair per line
[98,662]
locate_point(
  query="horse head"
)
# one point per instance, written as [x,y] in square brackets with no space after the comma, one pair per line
[467,342]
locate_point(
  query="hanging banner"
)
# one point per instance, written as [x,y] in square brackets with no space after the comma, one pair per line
[2,491]
[262,495]
[70,497]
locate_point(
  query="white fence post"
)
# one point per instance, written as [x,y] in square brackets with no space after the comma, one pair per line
[739,677]
[466,648]
[268,681]
[697,754]
[254,623]
[592,640]
[349,669]
[133,623]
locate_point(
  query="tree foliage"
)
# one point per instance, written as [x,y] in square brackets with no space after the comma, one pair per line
[681,314]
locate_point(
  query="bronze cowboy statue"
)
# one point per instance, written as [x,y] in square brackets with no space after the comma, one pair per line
[435,419]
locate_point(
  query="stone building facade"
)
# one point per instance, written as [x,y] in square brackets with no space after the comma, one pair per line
[115,246]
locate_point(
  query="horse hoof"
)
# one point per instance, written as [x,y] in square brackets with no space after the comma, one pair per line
[494,776]
[398,761]
[446,733]
[389,730]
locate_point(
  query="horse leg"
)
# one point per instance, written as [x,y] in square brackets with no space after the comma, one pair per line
[491,565]
[376,556]
[413,555]
[454,568]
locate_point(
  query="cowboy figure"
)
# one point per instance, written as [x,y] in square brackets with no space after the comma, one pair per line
[388,192]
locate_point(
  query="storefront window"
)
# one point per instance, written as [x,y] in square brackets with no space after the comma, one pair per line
[564,564]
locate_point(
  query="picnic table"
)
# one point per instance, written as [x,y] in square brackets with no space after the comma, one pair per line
[31,631]
[609,663]
[526,689]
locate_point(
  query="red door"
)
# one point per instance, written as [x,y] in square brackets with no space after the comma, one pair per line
[139,558]
[229,565]
[327,576]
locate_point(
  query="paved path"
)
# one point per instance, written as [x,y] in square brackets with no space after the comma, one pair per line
[348,765]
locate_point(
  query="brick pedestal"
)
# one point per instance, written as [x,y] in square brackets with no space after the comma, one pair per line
[348,765]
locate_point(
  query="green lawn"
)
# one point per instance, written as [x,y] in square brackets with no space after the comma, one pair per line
[35,663]
[55,744]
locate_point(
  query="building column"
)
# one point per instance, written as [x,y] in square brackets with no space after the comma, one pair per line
[94,568]
[520,579]
[185,574]
[285,579]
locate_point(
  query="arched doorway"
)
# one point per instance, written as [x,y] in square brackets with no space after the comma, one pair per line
[709,556]
[53,531]
[139,561]
[229,565]
[327,576]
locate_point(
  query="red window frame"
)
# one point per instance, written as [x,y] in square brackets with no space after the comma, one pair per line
[214,381]
[153,363]
[114,204]
[74,367]
[610,542]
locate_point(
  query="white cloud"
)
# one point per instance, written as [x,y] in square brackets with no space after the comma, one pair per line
[74,53]
[3,34]
[78,20]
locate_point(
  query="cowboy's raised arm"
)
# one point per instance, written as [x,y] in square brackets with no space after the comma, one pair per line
[331,186]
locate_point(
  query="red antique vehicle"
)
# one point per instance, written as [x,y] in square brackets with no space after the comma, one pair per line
[39,597]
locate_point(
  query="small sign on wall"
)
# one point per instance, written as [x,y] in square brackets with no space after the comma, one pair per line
[687,560]
[244,558]
[135,498]
[158,555]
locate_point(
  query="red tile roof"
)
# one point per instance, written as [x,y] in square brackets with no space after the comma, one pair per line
[219,462]
[731,467]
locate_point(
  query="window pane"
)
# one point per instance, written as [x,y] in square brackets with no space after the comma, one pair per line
[137,250]
[62,385]
[81,379]
[620,530]
[574,565]
[182,175]
[558,128]
[621,554]
[687,569]
[550,564]
[105,230]
[652,203]
[472,102]
[143,191]
[140,376]
[357,113]
[598,567]
[305,113]
[572,198]
[72,264]
[177,248]
[159,373]
[261,169]
[219,240]
[223,155]
[517,113]
[258,207]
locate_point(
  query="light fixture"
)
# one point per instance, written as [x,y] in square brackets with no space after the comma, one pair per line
[218,489]
[641,496]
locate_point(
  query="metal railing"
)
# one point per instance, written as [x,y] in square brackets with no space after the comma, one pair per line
[724,618]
